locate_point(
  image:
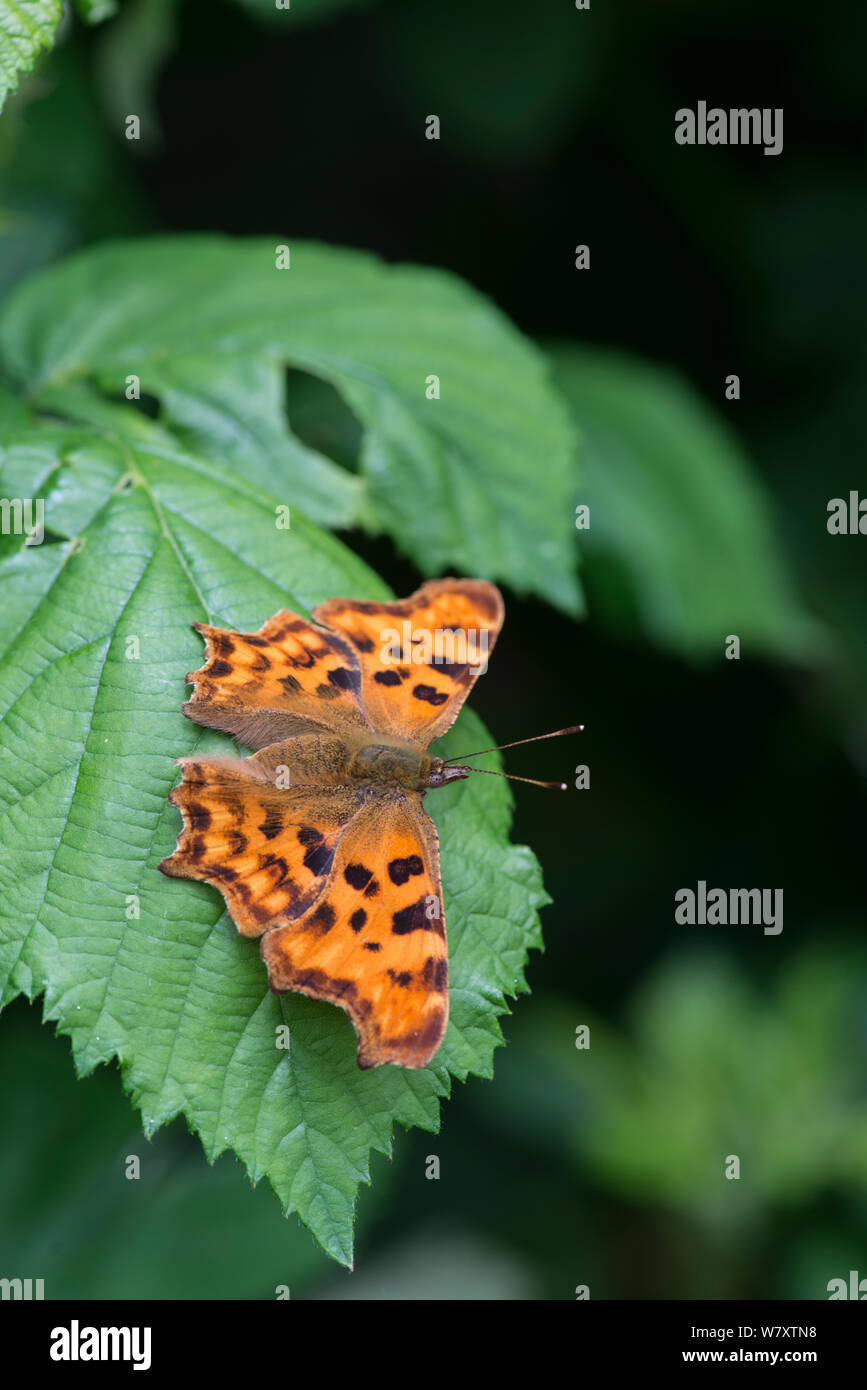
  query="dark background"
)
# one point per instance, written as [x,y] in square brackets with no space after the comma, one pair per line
[557,128]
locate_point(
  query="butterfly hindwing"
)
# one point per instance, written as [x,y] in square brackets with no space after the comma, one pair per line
[268,849]
[374,942]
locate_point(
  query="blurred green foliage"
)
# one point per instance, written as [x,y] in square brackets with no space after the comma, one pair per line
[677,519]
[709,1067]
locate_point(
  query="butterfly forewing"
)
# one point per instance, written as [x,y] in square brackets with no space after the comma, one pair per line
[285,679]
[419,657]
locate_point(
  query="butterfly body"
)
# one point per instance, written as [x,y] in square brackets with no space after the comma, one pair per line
[389,763]
[392,763]
[319,841]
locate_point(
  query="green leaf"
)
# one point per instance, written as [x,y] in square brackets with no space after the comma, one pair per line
[677,515]
[26,27]
[235,411]
[480,480]
[142,538]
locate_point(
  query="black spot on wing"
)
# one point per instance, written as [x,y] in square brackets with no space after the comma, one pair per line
[219,668]
[358,919]
[372,946]
[435,974]
[290,684]
[318,859]
[401,870]
[414,918]
[344,679]
[271,825]
[429,695]
[403,979]
[387,678]
[357,876]
[322,918]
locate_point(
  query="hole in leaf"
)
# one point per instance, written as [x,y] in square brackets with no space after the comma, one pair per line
[321,419]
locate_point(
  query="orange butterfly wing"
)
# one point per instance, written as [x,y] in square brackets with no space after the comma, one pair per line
[282,680]
[418,700]
[269,850]
[374,943]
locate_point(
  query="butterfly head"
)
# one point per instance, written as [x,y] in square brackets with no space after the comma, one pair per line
[440,774]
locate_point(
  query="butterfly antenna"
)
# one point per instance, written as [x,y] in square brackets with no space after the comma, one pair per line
[573,729]
[513,777]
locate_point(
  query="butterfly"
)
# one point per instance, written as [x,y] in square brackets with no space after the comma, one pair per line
[319,842]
